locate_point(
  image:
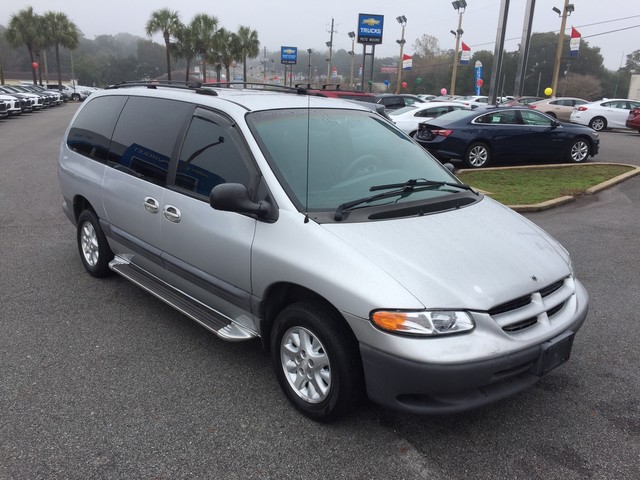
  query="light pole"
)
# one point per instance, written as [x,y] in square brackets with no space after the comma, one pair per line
[330,45]
[402,20]
[309,75]
[352,36]
[460,6]
[566,11]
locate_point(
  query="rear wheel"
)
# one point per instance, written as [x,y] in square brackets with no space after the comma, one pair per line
[75,97]
[92,245]
[477,155]
[316,361]
[598,123]
[578,151]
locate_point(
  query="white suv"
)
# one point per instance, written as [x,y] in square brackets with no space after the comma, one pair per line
[314,224]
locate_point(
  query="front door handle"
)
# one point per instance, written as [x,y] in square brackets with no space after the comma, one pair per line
[172,213]
[151,204]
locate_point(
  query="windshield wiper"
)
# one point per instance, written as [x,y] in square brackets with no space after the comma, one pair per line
[421,182]
[402,189]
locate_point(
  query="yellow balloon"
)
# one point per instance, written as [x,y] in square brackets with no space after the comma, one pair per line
[548,91]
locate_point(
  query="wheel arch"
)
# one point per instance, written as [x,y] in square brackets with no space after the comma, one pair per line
[282,294]
[81,204]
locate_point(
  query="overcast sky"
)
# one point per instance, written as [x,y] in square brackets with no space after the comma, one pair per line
[612,25]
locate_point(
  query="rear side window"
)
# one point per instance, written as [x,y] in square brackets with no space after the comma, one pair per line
[90,134]
[146,135]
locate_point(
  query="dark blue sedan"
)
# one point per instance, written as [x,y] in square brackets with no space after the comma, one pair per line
[481,136]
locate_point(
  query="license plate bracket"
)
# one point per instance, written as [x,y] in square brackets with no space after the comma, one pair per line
[554,353]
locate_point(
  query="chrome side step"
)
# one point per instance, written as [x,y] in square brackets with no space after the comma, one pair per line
[210,319]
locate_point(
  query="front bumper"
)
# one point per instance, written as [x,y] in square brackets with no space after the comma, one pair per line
[421,388]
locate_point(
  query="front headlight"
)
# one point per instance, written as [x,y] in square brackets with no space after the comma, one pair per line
[423,323]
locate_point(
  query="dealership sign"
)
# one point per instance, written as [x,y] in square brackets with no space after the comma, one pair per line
[370,28]
[289,55]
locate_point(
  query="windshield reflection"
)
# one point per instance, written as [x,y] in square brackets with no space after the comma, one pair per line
[326,157]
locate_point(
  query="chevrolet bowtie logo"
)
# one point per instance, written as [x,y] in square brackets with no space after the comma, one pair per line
[371,21]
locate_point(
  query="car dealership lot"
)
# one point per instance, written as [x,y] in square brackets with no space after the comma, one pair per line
[100,380]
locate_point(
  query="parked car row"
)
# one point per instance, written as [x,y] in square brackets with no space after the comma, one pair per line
[18,99]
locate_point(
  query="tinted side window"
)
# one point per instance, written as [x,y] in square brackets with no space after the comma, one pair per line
[91,131]
[534,118]
[210,155]
[145,136]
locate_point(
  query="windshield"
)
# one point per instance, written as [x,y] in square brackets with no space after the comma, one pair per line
[326,157]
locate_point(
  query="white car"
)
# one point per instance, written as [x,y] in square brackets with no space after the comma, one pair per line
[408,118]
[473,100]
[605,113]
[13,104]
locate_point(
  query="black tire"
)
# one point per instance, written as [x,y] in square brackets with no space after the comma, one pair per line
[316,361]
[477,155]
[94,249]
[551,114]
[75,97]
[578,151]
[598,123]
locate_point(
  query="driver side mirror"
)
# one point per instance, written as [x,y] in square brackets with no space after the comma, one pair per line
[234,197]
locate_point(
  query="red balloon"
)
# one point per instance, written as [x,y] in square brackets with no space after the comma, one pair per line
[404,84]
[479,82]
[34,65]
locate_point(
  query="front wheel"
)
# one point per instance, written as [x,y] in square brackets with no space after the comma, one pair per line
[578,151]
[477,155]
[92,245]
[316,361]
[598,123]
[75,97]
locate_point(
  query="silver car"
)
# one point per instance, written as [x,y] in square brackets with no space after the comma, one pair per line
[364,266]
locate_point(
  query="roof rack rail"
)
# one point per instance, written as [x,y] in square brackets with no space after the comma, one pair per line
[207,88]
[258,86]
[156,83]
[324,86]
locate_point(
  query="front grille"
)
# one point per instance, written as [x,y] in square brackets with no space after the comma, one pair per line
[526,323]
[552,288]
[524,312]
[512,305]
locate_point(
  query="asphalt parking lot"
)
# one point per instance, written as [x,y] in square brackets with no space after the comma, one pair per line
[101,380]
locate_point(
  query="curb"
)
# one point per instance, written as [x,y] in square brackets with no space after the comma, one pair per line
[556,202]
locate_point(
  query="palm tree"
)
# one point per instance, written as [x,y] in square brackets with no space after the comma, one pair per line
[203,29]
[25,29]
[185,46]
[59,30]
[249,47]
[168,23]
[225,51]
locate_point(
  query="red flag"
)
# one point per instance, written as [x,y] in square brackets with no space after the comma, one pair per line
[574,43]
[465,56]
[407,61]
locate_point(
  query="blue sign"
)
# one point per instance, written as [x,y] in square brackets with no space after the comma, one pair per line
[478,76]
[289,55]
[370,28]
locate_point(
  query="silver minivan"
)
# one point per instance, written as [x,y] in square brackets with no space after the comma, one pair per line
[365,267]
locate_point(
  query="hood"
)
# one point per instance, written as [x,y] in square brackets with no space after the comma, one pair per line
[473,258]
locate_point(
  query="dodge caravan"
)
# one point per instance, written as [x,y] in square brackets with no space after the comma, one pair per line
[363,265]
